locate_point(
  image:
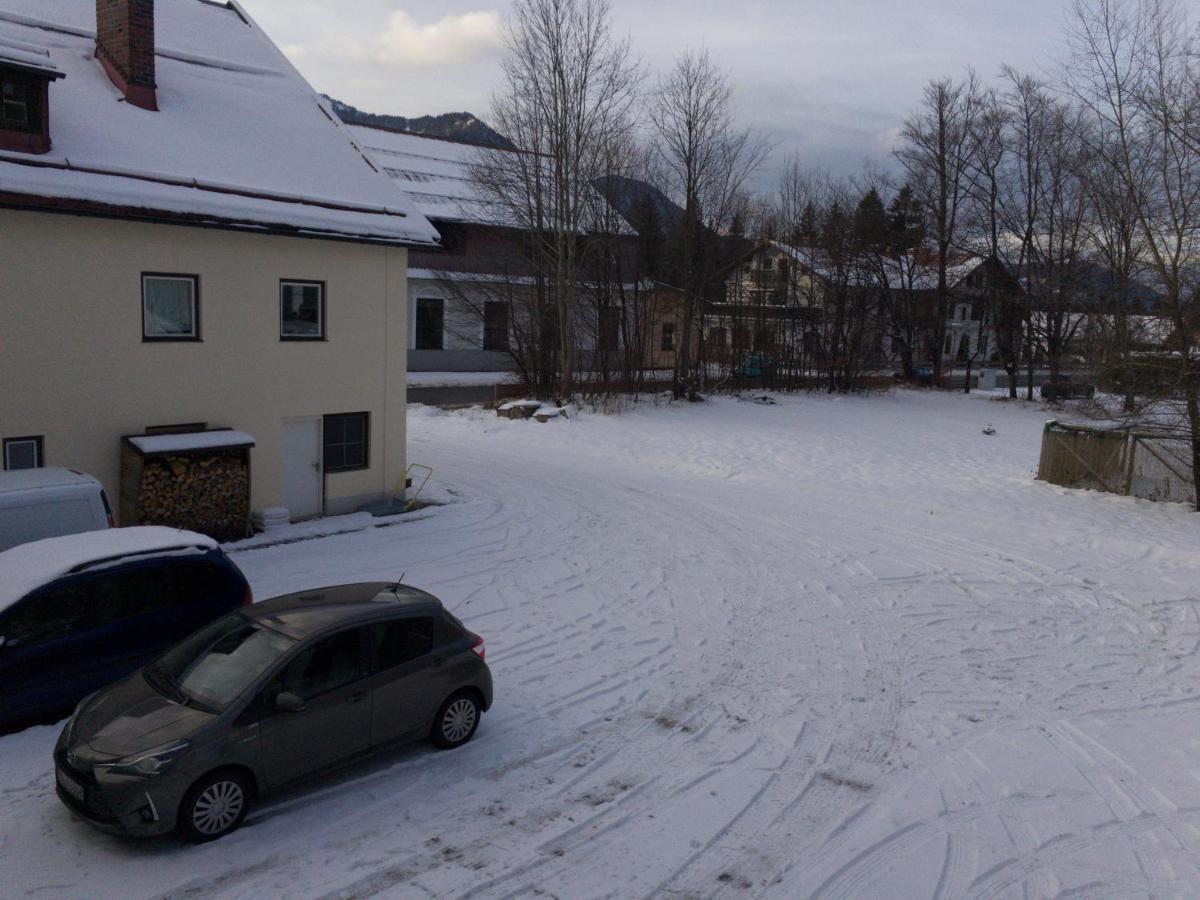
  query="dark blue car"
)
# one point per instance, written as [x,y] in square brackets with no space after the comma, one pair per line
[81,611]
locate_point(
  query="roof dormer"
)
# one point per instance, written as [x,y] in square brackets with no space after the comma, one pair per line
[25,75]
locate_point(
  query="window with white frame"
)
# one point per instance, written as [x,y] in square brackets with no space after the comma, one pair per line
[301,311]
[170,307]
[23,453]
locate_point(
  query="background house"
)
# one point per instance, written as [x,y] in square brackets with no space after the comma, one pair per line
[470,299]
[771,302]
[189,236]
[459,315]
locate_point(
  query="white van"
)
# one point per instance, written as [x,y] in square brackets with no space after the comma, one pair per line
[42,503]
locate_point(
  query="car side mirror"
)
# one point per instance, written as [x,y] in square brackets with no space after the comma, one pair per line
[289,702]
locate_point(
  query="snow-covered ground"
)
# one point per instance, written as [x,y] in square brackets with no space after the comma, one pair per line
[833,647]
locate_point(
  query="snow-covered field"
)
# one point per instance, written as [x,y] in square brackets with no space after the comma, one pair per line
[833,647]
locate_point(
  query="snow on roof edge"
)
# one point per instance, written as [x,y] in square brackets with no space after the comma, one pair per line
[330,179]
[191,441]
[27,567]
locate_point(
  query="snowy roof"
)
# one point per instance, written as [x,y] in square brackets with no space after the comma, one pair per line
[240,138]
[906,270]
[27,567]
[30,57]
[436,174]
[198,440]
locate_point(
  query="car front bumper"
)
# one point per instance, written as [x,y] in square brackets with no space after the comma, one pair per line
[118,804]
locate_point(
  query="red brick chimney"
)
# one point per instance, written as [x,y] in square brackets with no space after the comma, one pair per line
[125,45]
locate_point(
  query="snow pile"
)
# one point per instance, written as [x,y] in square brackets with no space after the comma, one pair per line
[27,567]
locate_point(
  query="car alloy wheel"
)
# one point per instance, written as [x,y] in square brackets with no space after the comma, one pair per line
[218,807]
[456,721]
[459,720]
[215,806]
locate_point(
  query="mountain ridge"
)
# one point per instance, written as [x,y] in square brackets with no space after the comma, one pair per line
[457,126]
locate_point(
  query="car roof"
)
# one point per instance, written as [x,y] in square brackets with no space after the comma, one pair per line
[34,479]
[27,567]
[306,613]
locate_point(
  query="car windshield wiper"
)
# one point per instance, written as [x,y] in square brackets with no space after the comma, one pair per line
[166,683]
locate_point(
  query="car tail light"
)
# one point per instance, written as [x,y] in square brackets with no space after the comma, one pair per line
[248,600]
[478,646]
[112,523]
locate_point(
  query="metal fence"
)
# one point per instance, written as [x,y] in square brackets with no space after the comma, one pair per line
[1150,465]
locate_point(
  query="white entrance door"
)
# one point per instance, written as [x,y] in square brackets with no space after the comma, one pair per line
[303,483]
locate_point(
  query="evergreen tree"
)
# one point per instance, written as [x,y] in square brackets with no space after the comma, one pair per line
[871,223]
[806,230]
[835,233]
[651,244]
[905,221]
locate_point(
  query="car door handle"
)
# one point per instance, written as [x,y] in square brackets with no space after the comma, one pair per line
[358,696]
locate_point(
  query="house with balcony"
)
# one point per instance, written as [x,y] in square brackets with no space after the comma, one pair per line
[189,240]
[776,301]
[771,302]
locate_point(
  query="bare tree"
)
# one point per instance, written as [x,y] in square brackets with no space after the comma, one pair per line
[706,161]
[1003,316]
[569,87]
[1046,206]
[1115,239]
[1132,68]
[935,151]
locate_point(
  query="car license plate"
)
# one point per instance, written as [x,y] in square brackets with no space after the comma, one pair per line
[69,784]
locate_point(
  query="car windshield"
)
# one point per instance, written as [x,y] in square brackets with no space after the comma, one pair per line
[216,664]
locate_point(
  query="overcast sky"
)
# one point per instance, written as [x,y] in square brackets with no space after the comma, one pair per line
[832,79]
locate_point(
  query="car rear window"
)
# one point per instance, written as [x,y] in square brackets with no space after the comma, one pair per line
[199,581]
[126,594]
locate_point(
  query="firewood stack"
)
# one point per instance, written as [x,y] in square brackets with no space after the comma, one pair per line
[209,494]
[197,480]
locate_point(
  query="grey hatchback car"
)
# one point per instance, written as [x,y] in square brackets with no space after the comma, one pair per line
[265,696]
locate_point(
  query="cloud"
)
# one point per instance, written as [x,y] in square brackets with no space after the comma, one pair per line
[454,39]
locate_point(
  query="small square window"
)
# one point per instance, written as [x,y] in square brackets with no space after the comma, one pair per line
[170,307]
[19,93]
[23,453]
[345,442]
[301,311]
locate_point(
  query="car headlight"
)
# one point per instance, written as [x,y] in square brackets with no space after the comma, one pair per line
[69,728]
[151,762]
